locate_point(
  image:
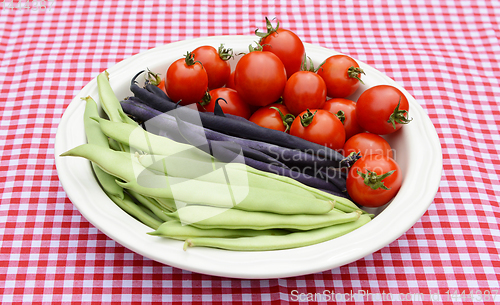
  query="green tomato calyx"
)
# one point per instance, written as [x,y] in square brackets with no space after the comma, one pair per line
[205,100]
[355,72]
[189,59]
[153,78]
[225,54]
[307,118]
[287,119]
[309,68]
[373,180]
[399,116]
[341,116]
[270,29]
[349,161]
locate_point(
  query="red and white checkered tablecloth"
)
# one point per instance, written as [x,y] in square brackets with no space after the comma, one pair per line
[445,53]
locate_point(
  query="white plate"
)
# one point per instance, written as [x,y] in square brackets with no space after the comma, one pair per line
[417,148]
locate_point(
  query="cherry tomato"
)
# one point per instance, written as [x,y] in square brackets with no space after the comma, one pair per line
[186,80]
[232,103]
[215,63]
[319,126]
[161,85]
[285,44]
[230,81]
[367,144]
[348,109]
[341,74]
[156,80]
[260,78]
[271,118]
[382,109]
[381,182]
[304,90]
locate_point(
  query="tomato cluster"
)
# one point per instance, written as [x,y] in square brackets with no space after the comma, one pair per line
[276,86]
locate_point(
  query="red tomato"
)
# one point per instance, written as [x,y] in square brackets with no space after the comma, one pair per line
[161,85]
[382,109]
[348,108]
[215,63]
[271,118]
[230,81]
[260,78]
[379,185]
[285,44]
[232,103]
[341,74]
[319,126]
[186,80]
[304,90]
[367,144]
[155,80]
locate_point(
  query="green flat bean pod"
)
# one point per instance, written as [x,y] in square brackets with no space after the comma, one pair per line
[116,163]
[176,230]
[129,206]
[152,205]
[144,182]
[137,137]
[212,194]
[168,204]
[96,137]
[156,145]
[237,173]
[109,102]
[268,243]
[341,203]
[206,217]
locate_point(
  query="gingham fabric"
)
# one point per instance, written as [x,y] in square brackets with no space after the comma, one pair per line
[445,53]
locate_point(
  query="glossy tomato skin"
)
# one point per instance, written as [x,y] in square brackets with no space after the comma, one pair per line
[362,194]
[367,144]
[218,70]
[335,73]
[260,78]
[234,104]
[304,90]
[375,106]
[230,81]
[351,125]
[324,129]
[270,118]
[287,46]
[186,83]
[161,85]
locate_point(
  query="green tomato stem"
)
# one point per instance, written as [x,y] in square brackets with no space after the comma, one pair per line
[399,116]
[270,29]
[355,72]
[307,118]
[286,119]
[373,180]
[341,116]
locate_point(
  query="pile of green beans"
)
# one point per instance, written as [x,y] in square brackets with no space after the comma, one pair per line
[157,181]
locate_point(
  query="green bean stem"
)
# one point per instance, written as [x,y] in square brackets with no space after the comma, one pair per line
[267,242]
